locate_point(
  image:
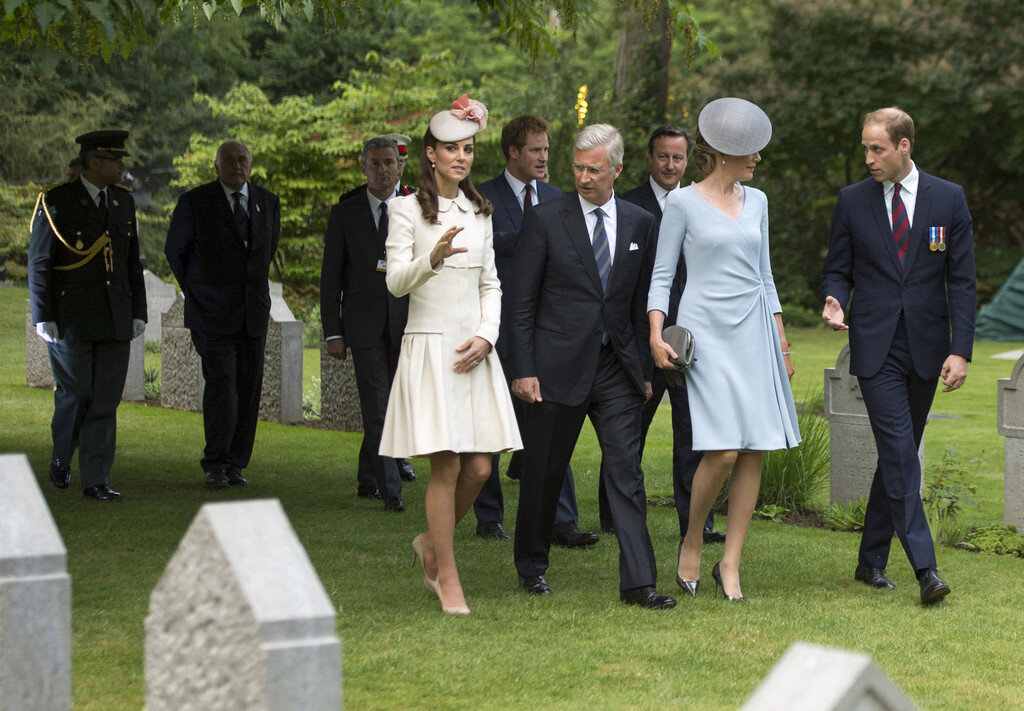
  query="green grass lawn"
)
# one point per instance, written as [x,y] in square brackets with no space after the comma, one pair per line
[579,648]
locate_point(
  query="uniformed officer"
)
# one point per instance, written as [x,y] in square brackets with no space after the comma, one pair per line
[88,302]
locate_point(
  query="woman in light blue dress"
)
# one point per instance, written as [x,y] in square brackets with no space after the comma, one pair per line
[741,404]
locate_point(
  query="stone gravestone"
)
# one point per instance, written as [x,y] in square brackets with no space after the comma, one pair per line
[159,297]
[814,678]
[339,396]
[182,383]
[35,597]
[853,456]
[39,375]
[1010,421]
[239,621]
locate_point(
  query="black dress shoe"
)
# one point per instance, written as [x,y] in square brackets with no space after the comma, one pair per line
[493,529]
[367,491]
[216,479]
[395,505]
[933,588]
[101,492]
[568,536]
[60,473]
[875,577]
[234,477]
[607,525]
[647,596]
[535,584]
[713,536]
[405,470]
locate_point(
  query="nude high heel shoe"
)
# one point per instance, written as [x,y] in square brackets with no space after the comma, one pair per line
[417,552]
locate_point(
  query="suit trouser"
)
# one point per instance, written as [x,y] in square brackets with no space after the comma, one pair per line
[684,459]
[90,379]
[551,433]
[490,502]
[897,401]
[233,369]
[374,369]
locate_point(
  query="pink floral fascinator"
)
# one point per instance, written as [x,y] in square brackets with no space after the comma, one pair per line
[466,118]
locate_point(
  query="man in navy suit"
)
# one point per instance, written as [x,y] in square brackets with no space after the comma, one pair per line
[667,151]
[524,141]
[902,244]
[222,238]
[357,311]
[578,342]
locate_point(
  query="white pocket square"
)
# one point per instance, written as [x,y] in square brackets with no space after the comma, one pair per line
[633,246]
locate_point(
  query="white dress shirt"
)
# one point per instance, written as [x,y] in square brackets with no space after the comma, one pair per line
[519,189]
[609,222]
[660,193]
[94,192]
[231,196]
[908,194]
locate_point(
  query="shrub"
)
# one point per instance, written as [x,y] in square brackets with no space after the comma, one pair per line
[999,539]
[845,517]
[152,387]
[945,496]
[310,317]
[771,512]
[311,400]
[792,478]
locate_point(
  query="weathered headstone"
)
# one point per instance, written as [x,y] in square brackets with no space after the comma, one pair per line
[159,297]
[35,597]
[1010,421]
[814,678]
[182,383]
[239,621]
[39,375]
[339,396]
[851,443]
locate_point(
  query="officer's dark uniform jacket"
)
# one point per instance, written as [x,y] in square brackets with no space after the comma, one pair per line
[83,274]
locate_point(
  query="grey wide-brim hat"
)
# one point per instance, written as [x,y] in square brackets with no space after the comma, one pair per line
[734,127]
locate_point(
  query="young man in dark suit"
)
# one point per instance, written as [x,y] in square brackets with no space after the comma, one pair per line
[902,244]
[370,321]
[220,244]
[88,302]
[524,141]
[667,153]
[578,341]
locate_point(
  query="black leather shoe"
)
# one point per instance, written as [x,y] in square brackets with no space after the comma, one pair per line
[60,473]
[568,536]
[234,477]
[367,491]
[933,588]
[216,479]
[713,536]
[607,525]
[513,472]
[535,585]
[875,577]
[493,529]
[647,596]
[101,492]
[405,470]
[395,505]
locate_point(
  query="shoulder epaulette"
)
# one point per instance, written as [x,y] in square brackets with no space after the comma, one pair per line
[122,187]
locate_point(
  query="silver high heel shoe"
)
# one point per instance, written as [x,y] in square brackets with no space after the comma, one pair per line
[417,552]
[689,586]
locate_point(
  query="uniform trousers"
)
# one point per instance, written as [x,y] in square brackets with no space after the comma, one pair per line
[374,370]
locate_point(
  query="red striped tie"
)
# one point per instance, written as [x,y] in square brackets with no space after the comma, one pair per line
[900,224]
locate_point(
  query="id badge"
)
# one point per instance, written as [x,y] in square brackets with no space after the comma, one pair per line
[382,265]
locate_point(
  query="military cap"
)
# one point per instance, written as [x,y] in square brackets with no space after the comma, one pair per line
[402,140]
[109,141]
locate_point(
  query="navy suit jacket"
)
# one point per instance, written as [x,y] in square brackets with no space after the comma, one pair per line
[934,291]
[225,281]
[505,223]
[559,311]
[643,196]
[349,279]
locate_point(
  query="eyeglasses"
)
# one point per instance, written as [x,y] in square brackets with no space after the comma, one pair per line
[588,169]
[116,159]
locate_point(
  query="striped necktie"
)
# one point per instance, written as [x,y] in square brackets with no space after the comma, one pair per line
[601,252]
[900,224]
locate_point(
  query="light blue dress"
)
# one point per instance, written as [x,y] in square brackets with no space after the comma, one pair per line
[738,389]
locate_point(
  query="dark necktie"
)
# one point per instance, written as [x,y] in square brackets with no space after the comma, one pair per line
[527,197]
[241,217]
[382,224]
[102,205]
[900,224]
[601,252]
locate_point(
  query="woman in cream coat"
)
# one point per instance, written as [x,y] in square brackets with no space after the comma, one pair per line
[449,399]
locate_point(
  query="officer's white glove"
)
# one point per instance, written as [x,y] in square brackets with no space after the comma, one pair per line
[138,326]
[47,330]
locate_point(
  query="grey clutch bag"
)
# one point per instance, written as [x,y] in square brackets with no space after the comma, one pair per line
[681,341]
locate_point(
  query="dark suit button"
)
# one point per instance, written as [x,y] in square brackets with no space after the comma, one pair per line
[903,288]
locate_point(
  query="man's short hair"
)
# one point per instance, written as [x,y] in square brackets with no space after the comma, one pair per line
[379,142]
[896,121]
[517,131]
[669,129]
[601,134]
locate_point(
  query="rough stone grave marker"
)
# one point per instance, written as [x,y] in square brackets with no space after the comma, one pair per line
[339,396]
